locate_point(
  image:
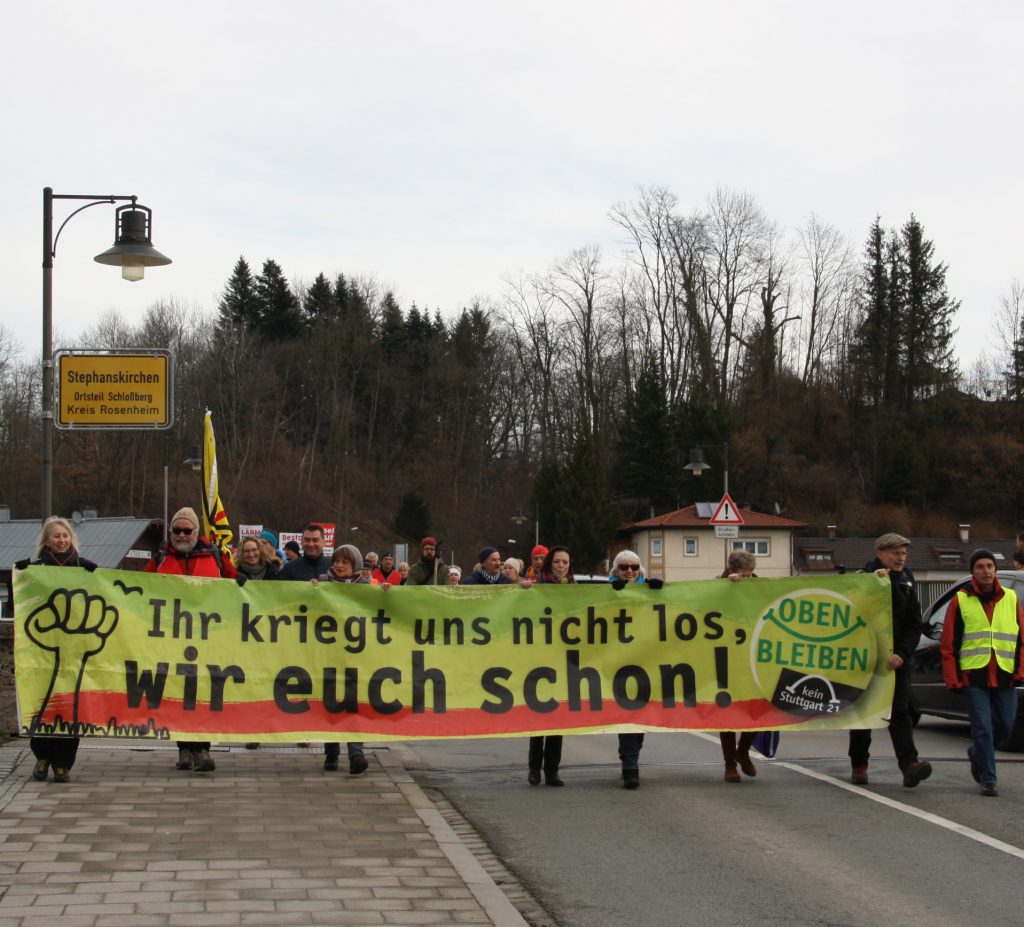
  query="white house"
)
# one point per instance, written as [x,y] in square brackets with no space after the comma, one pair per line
[682,544]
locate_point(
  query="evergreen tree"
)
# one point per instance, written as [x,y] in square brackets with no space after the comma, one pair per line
[279,315]
[927,338]
[391,331]
[586,487]
[573,504]
[873,353]
[903,348]
[645,451]
[413,517]
[239,305]
[342,297]
[319,305]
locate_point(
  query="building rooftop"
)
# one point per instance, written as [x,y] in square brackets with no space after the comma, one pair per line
[824,554]
[698,515]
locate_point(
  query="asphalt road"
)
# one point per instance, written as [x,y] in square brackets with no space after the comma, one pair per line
[797,845]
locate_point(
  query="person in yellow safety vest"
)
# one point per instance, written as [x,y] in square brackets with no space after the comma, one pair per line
[981,647]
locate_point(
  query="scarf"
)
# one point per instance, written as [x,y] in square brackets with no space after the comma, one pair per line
[52,558]
[253,571]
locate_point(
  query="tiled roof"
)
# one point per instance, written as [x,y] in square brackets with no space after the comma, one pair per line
[690,518]
[926,554]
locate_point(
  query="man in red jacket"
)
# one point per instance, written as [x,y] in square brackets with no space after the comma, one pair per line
[981,645]
[189,554]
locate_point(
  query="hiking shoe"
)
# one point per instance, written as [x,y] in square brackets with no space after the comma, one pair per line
[185,760]
[975,765]
[357,765]
[60,774]
[916,772]
[40,770]
[859,776]
[989,790]
[203,762]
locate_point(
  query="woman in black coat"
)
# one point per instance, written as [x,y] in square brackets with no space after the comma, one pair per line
[57,546]
[546,752]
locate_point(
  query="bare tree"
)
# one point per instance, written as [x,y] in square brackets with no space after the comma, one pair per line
[1009,323]
[737,233]
[827,262]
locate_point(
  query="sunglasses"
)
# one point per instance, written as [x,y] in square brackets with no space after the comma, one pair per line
[630,566]
[185,531]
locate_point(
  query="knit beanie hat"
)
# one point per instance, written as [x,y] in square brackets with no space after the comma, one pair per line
[189,515]
[539,551]
[485,553]
[981,554]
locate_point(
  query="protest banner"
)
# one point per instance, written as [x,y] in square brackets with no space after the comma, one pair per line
[169,657]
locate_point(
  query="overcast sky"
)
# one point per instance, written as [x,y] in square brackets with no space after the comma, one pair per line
[440,145]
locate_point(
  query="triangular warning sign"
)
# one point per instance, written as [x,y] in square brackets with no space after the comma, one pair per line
[727,513]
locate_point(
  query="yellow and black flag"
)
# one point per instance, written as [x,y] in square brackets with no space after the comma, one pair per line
[215,520]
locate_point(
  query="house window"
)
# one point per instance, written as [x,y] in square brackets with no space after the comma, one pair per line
[818,558]
[689,547]
[655,547]
[760,547]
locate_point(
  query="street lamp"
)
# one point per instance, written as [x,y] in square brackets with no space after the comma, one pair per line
[132,251]
[697,464]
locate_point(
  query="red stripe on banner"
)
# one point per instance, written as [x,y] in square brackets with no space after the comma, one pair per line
[108,711]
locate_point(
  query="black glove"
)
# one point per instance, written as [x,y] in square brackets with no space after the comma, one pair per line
[655,583]
[90,567]
[618,584]
[22,564]
[241,580]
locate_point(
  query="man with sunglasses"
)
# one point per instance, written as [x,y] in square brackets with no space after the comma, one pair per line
[187,553]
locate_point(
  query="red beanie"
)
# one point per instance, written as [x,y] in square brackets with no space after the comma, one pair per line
[428,542]
[539,551]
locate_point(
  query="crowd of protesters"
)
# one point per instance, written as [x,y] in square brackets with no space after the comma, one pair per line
[983,636]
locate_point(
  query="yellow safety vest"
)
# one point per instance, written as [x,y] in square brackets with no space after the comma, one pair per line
[982,639]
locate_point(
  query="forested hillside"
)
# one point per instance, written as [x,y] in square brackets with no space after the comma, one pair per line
[576,392]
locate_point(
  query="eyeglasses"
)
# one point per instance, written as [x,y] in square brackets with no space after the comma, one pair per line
[630,566]
[185,531]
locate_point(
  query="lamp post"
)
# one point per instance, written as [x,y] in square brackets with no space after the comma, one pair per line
[132,251]
[519,519]
[697,466]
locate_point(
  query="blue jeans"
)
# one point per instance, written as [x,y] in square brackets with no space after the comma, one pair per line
[630,746]
[991,713]
[355,748]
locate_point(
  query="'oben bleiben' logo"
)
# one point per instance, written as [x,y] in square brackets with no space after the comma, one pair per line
[812,653]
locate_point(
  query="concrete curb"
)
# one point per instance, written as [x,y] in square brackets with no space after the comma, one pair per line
[488,894]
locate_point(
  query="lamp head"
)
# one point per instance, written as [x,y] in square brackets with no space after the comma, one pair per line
[697,465]
[133,249]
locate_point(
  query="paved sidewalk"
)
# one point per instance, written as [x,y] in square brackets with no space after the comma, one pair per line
[269,838]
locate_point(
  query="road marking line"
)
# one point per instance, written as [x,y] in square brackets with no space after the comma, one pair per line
[968,832]
[927,816]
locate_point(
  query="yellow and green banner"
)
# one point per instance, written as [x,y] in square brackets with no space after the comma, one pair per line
[114,653]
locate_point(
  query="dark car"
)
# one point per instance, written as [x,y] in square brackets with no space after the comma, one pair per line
[931,697]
